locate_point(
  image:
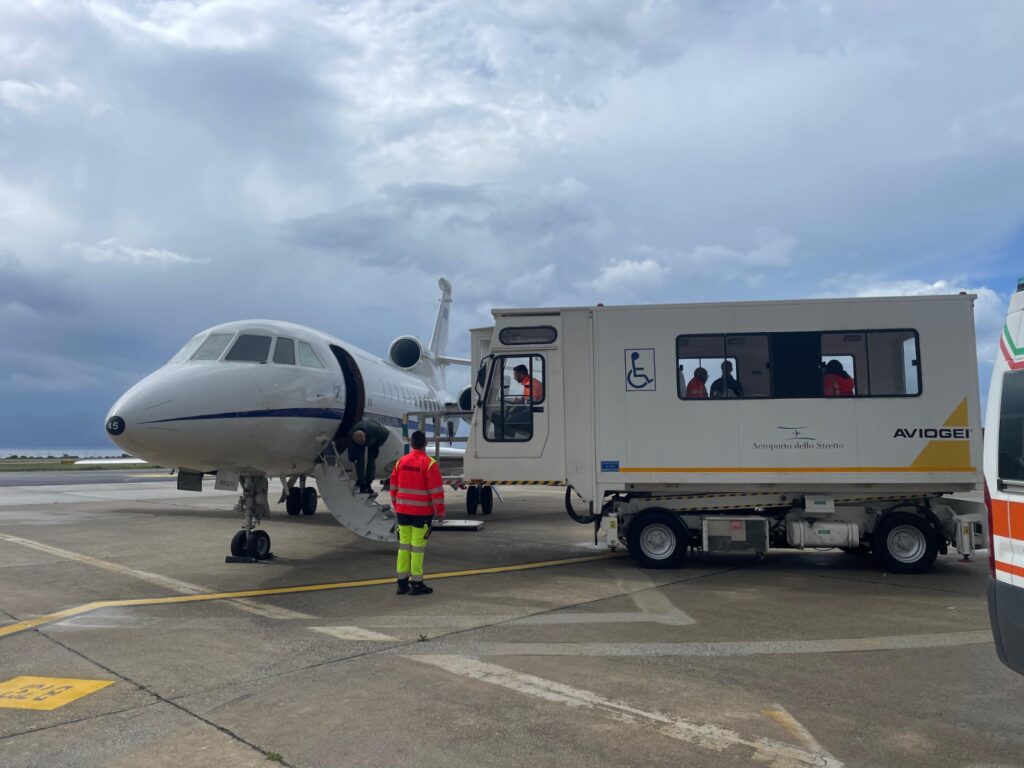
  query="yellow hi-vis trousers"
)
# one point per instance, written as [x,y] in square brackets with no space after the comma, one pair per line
[412,546]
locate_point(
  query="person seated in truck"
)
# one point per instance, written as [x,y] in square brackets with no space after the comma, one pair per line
[725,385]
[837,382]
[533,390]
[696,388]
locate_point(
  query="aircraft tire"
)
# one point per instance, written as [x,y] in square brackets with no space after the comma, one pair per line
[309,499]
[905,543]
[259,545]
[293,503]
[238,544]
[472,499]
[658,539]
[487,499]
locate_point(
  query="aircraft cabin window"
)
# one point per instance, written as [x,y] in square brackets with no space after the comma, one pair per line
[284,352]
[249,349]
[213,347]
[186,352]
[308,356]
[514,395]
[1011,427]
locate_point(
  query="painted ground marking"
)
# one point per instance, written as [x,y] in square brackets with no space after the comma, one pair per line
[46,693]
[21,626]
[705,736]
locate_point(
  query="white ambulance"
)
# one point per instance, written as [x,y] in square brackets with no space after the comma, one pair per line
[1004,486]
[738,427]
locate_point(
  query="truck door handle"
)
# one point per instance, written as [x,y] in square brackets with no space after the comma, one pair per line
[537,409]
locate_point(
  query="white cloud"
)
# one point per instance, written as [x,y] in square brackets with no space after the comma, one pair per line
[30,97]
[111,250]
[227,25]
[628,274]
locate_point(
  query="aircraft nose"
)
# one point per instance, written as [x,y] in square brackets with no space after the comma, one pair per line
[125,423]
[115,426]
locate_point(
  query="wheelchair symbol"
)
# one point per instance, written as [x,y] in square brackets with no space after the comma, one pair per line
[636,373]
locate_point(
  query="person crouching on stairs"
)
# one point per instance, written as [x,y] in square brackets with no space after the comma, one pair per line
[417,494]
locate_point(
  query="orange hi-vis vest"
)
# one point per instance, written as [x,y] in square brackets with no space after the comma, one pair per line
[416,487]
[533,390]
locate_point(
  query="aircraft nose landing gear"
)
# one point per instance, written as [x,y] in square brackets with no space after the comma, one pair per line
[249,544]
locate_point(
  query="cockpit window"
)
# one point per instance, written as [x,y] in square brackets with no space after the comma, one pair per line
[249,349]
[284,352]
[213,347]
[186,352]
[308,356]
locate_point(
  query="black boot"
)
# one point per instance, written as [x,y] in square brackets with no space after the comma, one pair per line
[403,587]
[419,588]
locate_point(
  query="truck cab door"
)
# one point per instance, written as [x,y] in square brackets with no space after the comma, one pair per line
[514,416]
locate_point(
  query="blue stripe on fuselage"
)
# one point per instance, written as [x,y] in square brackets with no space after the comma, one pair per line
[335,414]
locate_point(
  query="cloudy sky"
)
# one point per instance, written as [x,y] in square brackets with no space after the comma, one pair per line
[168,165]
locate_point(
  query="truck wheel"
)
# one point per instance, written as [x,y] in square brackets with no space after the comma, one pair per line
[487,499]
[658,539]
[472,499]
[905,543]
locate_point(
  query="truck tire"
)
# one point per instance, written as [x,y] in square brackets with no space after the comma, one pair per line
[472,499]
[658,539]
[905,543]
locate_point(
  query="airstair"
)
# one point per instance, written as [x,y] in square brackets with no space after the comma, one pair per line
[361,514]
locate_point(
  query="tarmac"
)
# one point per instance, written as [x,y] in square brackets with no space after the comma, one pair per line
[537,648]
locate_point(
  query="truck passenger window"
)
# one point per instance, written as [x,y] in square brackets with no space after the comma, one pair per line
[1011,427]
[722,366]
[284,352]
[893,368]
[514,392]
[249,349]
[213,347]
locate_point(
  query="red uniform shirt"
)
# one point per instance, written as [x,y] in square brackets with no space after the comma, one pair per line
[839,386]
[416,486]
[696,388]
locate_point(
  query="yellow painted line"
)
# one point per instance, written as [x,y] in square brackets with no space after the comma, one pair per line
[21,626]
[46,692]
[656,470]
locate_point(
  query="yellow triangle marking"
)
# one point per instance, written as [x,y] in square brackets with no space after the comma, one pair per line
[958,418]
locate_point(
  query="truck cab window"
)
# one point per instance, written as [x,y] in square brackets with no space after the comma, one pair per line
[1011,427]
[515,390]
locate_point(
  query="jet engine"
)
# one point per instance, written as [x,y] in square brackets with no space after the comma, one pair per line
[466,399]
[405,352]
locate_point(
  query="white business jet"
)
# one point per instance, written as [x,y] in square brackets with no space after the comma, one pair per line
[255,399]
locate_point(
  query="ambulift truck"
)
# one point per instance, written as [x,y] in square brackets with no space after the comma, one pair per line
[761,459]
[1004,487]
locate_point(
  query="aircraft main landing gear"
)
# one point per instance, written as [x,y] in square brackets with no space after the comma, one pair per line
[250,544]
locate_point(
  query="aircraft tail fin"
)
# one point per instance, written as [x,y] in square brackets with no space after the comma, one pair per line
[439,339]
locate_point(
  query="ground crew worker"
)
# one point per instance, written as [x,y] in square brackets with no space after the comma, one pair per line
[364,442]
[417,494]
[533,390]
[696,388]
[837,382]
